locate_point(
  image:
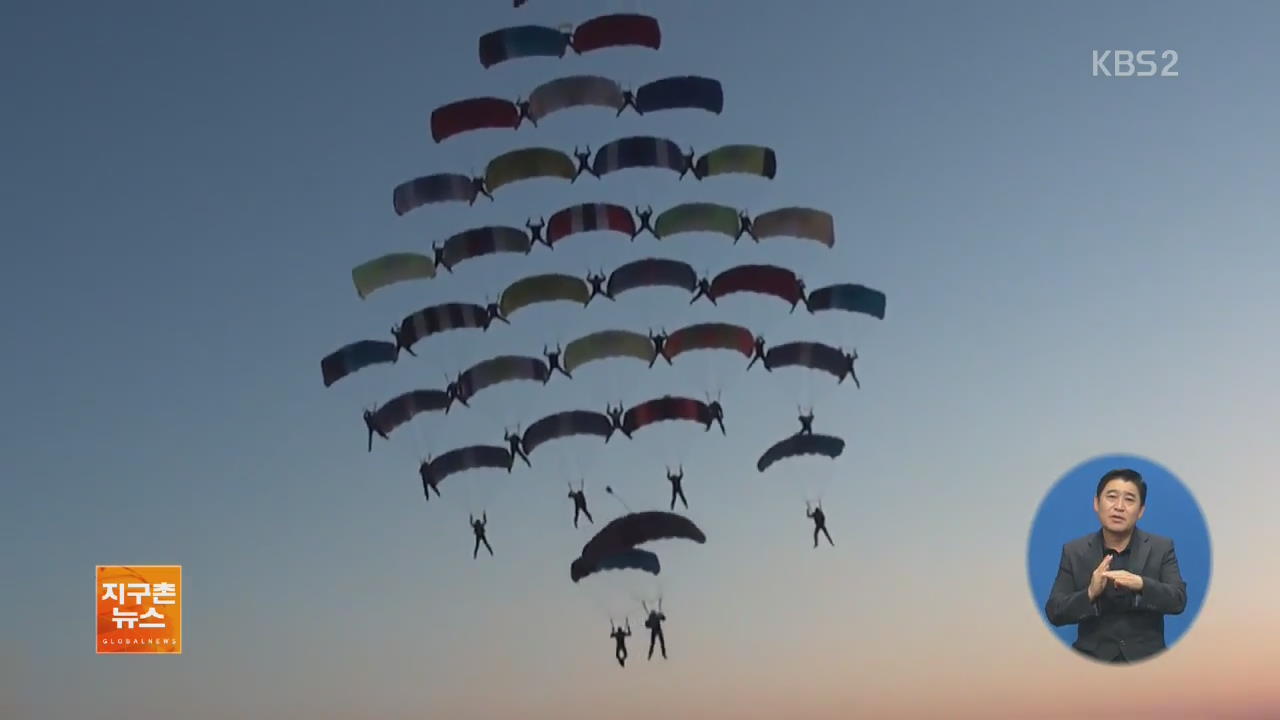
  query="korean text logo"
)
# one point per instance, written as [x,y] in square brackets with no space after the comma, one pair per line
[139,609]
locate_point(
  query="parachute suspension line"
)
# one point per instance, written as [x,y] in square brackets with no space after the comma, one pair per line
[609,489]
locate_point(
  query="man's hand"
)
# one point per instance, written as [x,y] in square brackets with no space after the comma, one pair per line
[1098,581]
[1125,579]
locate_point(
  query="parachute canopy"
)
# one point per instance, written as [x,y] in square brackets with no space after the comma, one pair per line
[564,424]
[639,151]
[526,164]
[745,159]
[606,344]
[797,222]
[522,41]
[632,529]
[801,444]
[356,356]
[548,287]
[488,240]
[814,355]
[762,279]
[573,91]
[389,270]
[589,217]
[473,114]
[630,559]
[682,92]
[439,318]
[698,217]
[441,187]
[849,297]
[618,30]
[471,457]
[404,407]
[502,368]
[652,272]
[667,407]
[710,336]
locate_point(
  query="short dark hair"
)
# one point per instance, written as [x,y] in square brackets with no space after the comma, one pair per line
[1127,475]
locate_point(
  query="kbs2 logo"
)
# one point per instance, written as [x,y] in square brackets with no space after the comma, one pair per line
[1124,63]
[139,609]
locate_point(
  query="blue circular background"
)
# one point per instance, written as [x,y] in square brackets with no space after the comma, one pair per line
[1067,513]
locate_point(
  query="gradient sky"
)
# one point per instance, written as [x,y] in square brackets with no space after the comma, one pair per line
[1074,266]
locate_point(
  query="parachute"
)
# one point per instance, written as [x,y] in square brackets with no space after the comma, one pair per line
[683,92]
[473,114]
[652,272]
[638,528]
[526,164]
[548,287]
[564,424]
[589,217]
[850,297]
[439,318]
[354,357]
[801,444]
[573,91]
[710,336]
[637,152]
[798,222]
[404,407]
[616,31]
[606,344]
[389,270]
[499,369]
[763,279]
[441,187]
[630,559]
[814,355]
[698,217]
[522,41]
[484,241]
[746,159]
[667,407]
[470,457]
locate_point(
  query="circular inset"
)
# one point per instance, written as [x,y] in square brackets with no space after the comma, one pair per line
[1119,559]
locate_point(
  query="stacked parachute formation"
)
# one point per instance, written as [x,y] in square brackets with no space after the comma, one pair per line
[617,546]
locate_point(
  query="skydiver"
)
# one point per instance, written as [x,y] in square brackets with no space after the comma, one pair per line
[659,346]
[371,422]
[849,359]
[704,290]
[677,487]
[819,523]
[525,112]
[579,498]
[553,363]
[535,232]
[620,637]
[429,481]
[454,391]
[478,189]
[644,216]
[438,249]
[615,417]
[804,297]
[401,342]
[654,623]
[478,527]
[597,281]
[806,423]
[744,226]
[628,100]
[759,354]
[584,163]
[513,442]
[494,312]
[690,166]
[717,416]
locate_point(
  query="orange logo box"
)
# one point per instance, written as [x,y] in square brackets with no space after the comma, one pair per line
[139,609]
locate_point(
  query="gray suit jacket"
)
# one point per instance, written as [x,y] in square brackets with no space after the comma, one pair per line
[1136,631]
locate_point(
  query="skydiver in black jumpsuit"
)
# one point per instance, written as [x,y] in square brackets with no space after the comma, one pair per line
[628,100]
[744,226]
[849,358]
[654,623]
[644,216]
[477,187]
[513,442]
[819,523]
[717,416]
[455,393]
[584,163]
[704,291]
[478,527]
[429,482]
[525,109]
[371,422]
[759,355]
[677,487]
[659,347]
[579,498]
[615,417]
[535,232]
[553,362]
[620,637]
[803,298]
[438,249]
[494,312]
[806,423]
[597,281]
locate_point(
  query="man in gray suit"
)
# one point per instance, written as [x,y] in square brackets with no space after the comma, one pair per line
[1118,583]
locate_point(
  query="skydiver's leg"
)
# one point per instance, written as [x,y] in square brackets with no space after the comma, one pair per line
[674,491]
[525,458]
[622,655]
[855,379]
[686,502]
[653,637]
[662,640]
[476,551]
[575,516]
[824,532]
[486,545]
[564,372]
[816,530]
[370,440]
[721,424]
[753,361]
[587,512]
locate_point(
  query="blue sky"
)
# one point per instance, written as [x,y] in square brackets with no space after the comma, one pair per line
[1074,266]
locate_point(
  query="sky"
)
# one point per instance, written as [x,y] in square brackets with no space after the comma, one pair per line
[1074,266]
